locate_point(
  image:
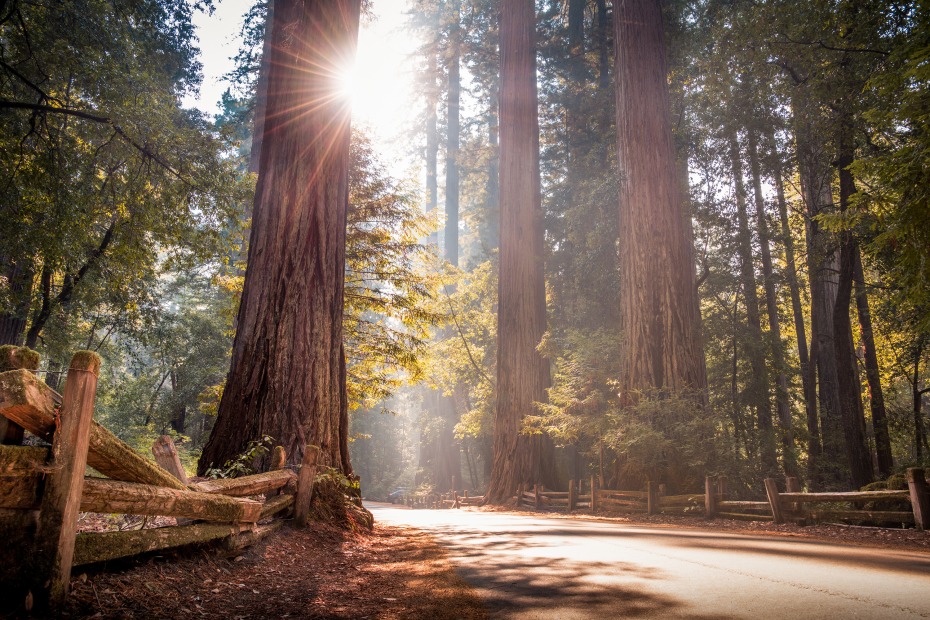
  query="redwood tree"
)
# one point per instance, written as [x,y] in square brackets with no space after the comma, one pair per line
[287,376]
[659,303]
[522,373]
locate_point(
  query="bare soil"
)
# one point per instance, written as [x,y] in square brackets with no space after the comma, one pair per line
[317,572]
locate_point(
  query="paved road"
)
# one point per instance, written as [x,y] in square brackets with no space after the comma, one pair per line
[539,567]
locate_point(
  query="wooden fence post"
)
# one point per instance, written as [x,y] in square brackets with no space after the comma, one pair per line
[771,490]
[61,501]
[920,497]
[652,498]
[593,495]
[537,500]
[793,485]
[710,497]
[571,495]
[166,455]
[278,458]
[305,478]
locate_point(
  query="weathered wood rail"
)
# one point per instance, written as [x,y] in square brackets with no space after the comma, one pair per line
[43,489]
[792,504]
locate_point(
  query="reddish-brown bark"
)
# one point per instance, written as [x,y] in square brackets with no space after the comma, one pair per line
[661,320]
[522,373]
[287,375]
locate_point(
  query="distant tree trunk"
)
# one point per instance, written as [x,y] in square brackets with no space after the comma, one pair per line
[522,373]
[857,451]
[816,190]
[179,413]
[873,375]
[603,45]
[917,395]
[287,377]
[13,320]
[491,225]
[659,305]
[808,372]
[758,387]
[452,137]
[782,398]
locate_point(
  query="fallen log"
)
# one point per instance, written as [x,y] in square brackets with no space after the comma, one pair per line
[256,484]
[19,491]
[112,496]
[22,460]
[93,547]
[30,403]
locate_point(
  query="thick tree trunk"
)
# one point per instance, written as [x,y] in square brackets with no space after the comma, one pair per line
[758,385]
[873,374]
[522,373]
[782,398]
[659,305]
[857,451]
[287,377]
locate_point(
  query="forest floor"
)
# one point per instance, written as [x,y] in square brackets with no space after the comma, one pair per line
[317,572]
[324,572]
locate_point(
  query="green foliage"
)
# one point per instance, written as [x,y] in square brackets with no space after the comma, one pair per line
[244,463]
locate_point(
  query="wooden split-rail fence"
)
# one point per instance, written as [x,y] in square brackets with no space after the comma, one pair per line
[43,489]
[904,507]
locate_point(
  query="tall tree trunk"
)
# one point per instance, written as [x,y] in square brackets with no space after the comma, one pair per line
[857,451]
[522,373]
[782,398]
[287,376]
[453,129]
[179,413]
[659,304]
[917,394]
[432,131]
[816,190]
[808,372]
[758,386]
[491,225]
[873,375]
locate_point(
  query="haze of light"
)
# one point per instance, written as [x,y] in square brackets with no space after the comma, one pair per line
[380,83]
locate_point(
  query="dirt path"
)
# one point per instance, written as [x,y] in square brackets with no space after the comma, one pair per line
[395,572]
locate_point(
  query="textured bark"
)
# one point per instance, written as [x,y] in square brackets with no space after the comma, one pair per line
[659,306]
[522,373]
[286,378]
[490,227]
[873,374]
[857,451]
[782,399]
[432,135]
[758,386]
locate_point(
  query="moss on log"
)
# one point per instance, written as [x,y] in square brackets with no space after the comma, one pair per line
[30,403]
[20,492]
[22,460]
[95,547]
[256,484]
[111,496]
